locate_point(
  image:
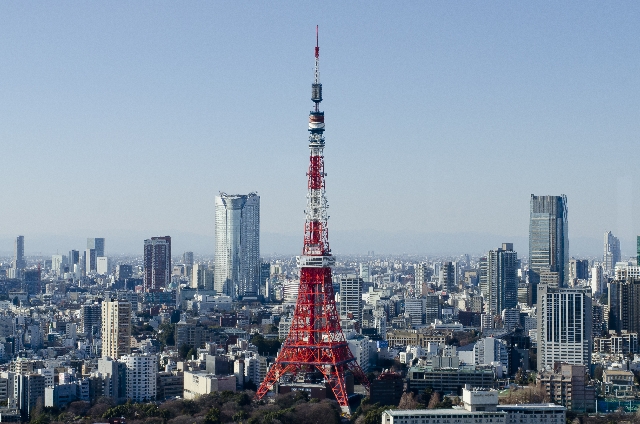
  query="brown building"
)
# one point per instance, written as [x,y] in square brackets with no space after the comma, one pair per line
[415,338]
[170,384]
[568,387]
[157,263]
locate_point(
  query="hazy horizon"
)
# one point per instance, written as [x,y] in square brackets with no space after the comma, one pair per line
[342,243]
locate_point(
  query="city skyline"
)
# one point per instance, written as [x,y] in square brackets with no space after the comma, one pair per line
[493,88]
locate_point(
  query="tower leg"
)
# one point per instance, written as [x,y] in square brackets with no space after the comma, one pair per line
[275,372]
[335,378]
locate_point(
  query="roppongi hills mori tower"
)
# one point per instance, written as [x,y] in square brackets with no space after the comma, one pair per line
[316,344]
[237,257]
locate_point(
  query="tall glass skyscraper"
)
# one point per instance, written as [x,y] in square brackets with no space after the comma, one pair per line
[97,244]
[612,253]
[500,287]
[237,256]
[548,241]
[18,258]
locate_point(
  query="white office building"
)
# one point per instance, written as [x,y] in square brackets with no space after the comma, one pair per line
[491,351]
[564,326]
[359,347]
[480,407]
[198,383]
[102,265]
[351,298]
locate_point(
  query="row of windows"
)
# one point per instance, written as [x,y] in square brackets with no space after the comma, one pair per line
[406,417]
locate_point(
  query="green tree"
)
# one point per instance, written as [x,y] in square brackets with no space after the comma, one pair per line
[166,334]
[192,353]
[372,415]
[265,346]
[445,404]
[213,416]
[183,351]
[239,416]
[597,373]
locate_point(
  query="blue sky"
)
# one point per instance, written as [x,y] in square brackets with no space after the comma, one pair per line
[124,120]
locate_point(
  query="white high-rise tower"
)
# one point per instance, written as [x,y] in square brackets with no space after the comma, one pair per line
[237,263]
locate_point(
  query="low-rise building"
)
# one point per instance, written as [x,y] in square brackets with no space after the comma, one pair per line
[387,389]
[436,416]
[415,338]
[170,384]
[450,380]
[9,415]
[61,395]
[197,383]
[480,407]
[547,413]
[618,383]
[622,344]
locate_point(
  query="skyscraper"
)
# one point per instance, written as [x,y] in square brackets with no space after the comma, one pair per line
[91,315]
[19,263]
[597,281]
[351,297]
[74,259]
[157,263]
[578,270]
[116,328]
[432,308]
[90,261]
[448,277]
[548,241]
[564,326]
[237,256]
[423,274]
[500,288]
[611,251]
[624,305]
[97,244]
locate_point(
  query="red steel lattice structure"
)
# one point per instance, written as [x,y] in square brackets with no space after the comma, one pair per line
[315,340]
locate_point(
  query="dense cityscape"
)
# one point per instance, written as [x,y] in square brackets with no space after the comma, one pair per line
[514,334]
[90,328]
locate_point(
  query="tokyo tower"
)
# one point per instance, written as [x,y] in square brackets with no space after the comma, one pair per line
[315,341]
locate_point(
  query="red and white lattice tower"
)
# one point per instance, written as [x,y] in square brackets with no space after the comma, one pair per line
[316,340]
